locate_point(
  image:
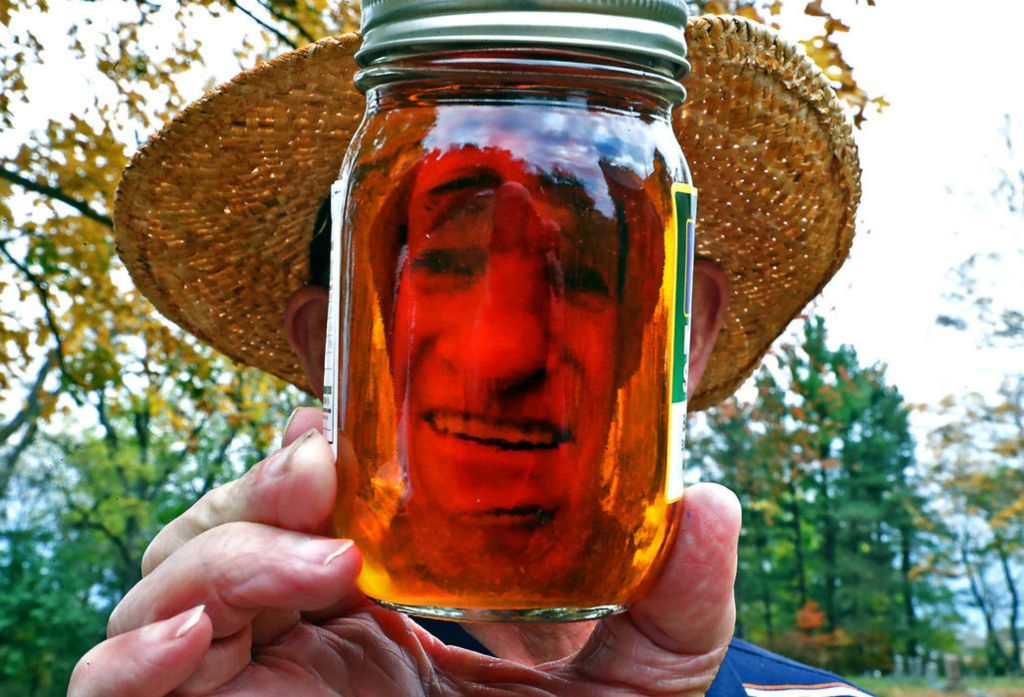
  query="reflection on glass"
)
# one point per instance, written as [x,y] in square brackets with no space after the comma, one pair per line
[511,291]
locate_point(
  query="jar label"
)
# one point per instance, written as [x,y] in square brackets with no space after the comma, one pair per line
[335,360]
[679,244]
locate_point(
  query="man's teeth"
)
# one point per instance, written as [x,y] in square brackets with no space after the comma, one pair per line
[502,433]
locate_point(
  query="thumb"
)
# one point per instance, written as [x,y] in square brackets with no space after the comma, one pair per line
[674,639]
[301,421]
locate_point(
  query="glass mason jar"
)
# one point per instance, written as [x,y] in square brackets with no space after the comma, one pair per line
[509,317]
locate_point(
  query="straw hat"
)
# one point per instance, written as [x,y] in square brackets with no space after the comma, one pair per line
[214,215]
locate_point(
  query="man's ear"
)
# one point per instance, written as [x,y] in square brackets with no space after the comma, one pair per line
[710,296]
[306,326]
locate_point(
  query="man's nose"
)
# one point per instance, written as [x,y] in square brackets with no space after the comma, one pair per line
[510,335]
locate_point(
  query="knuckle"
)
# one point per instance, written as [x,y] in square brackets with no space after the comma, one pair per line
[153,555]
[214,507]
[114,623]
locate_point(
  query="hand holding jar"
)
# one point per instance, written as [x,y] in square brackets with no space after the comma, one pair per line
[242,597]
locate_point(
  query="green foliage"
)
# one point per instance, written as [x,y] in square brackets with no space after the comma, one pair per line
[837,541]
[85,507]
[46,617]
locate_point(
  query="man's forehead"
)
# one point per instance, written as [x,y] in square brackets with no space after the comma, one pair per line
[466,166]
[559,208]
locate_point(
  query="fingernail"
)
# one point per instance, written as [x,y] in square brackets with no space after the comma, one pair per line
[278,464]
[191,620]
[344,547]
[319,550]
[288,423]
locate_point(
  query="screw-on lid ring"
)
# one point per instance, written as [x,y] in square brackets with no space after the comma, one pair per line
[651,32]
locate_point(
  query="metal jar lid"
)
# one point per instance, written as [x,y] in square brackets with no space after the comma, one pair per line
[650,32]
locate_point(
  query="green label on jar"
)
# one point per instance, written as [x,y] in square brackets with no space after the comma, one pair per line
[679,246]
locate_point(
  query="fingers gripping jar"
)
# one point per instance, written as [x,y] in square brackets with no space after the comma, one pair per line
[509,319]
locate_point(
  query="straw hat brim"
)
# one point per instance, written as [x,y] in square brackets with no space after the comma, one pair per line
[214,214]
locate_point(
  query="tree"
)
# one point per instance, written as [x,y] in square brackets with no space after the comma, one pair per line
[980,462]
[90,341]
[823,48]
[118,419]
[38,587]
[974,304]
[838,548]
[979,446]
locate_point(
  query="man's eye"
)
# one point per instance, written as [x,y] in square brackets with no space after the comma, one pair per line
[586,279]
[455,262]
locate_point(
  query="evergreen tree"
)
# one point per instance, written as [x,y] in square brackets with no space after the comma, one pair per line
[838,540]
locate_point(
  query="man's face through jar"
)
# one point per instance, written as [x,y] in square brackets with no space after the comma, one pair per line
[504,340]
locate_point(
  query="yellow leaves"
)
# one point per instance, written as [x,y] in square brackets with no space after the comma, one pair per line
[828,56]
[835,639]
[20,51]
[770,508]
[814,9]
[1011,447]
[750,13]
[715,7]
[922,569]
[727,410]
[1014,513]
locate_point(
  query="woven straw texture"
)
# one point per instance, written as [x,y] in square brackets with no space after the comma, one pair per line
[779,178]
[214,215]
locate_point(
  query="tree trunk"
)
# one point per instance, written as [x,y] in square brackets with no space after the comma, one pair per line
[761,545]
[909,615]
[992,639]
[1014,606]
[828,525]
[798,543]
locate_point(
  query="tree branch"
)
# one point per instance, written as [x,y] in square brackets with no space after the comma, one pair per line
[1011,585]
[11,458]
[273,30]
[218,460]
[87,522]
[32,408]
[55,193]
[44,298]
[281,16]
[140,420]
[979,594]
[101,411]
[172,463]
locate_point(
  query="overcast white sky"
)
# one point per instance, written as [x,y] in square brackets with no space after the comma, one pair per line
[930,161]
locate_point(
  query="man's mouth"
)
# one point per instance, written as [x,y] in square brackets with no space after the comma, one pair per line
[529,515]
[505,434]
